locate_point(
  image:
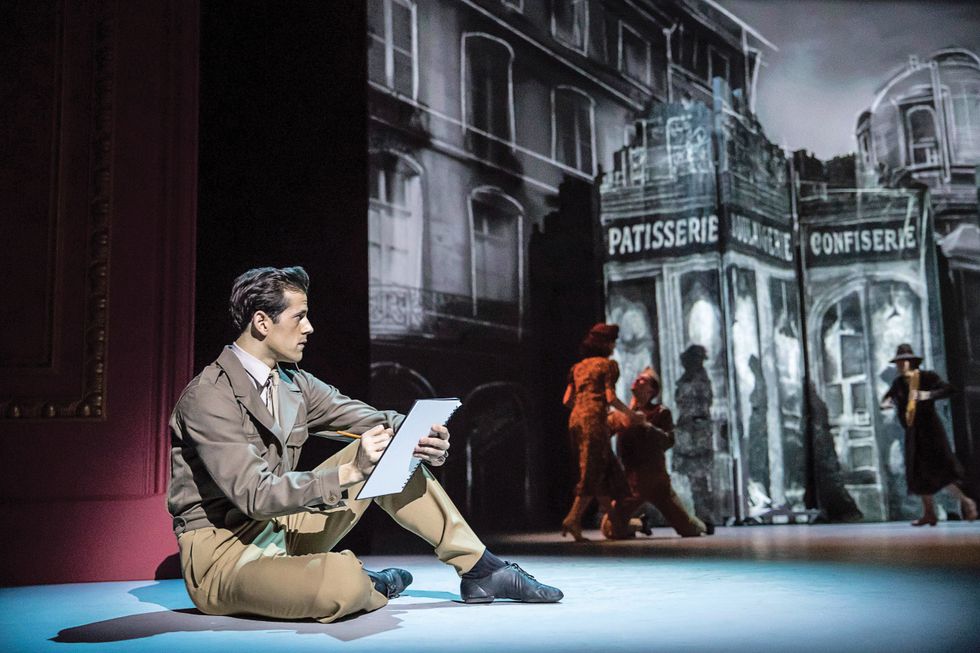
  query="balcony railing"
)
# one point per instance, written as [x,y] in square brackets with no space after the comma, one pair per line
[402,310]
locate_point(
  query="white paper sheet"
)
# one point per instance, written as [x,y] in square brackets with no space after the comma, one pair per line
[392,472]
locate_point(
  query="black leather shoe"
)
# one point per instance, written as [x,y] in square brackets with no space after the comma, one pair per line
[391,581]
[508,582]
[645,527]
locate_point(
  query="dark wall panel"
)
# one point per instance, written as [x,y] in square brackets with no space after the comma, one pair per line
[98,243]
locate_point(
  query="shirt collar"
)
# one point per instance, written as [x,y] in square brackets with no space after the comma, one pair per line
[256,369]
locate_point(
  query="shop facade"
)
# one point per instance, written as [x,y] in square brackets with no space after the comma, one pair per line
[701,277]
[869,284]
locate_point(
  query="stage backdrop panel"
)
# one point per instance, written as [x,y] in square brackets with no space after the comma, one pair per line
[869,285]
[98,196]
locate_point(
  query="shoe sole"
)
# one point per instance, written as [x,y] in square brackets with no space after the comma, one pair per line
[491,599]
[482,599]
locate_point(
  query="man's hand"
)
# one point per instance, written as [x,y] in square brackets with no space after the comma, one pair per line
[434,448]
[370,447]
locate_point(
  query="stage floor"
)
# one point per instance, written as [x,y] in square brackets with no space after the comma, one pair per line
[879,587]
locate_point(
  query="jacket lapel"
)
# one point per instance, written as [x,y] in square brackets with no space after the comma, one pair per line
[290,398]
[245,391]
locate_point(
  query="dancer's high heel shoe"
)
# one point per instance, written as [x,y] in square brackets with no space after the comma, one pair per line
[925,521]
[573,529]
[969,507]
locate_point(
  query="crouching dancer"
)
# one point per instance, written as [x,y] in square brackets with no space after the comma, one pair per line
[642,450]
[255,536]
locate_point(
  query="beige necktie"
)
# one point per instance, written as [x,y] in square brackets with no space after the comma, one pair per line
[270,388]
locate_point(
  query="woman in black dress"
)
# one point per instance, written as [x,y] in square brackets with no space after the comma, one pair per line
[929,463]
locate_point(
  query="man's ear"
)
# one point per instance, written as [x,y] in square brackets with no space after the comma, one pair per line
[261,322]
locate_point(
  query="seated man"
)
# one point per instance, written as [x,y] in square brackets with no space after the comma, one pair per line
[255,536]
[642,450]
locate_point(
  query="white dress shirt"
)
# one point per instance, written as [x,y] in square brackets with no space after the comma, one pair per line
[259,372]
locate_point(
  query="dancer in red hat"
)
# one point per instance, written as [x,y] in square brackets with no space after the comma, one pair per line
[929,463]
[590,393]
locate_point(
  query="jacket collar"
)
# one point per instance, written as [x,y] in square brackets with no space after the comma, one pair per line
[248,395]
[256,369]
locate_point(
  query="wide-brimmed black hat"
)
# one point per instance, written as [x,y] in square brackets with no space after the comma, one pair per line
[905,353]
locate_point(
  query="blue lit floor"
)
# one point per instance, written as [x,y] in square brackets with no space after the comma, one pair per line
[615,600]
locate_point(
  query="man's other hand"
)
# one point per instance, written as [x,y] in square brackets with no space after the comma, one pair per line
[434,448]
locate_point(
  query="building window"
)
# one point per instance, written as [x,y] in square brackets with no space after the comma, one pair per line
[718,66]
[846,385]
[844,359]
[488,96]
[395,220]
[865,151]
[921,134]
[392,59]
[572,123]
[965,123]
[570,23]
[634,55]
[699,52]
[495,245]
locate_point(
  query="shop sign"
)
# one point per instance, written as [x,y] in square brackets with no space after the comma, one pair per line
[661,235]
[869,241]
[754,236]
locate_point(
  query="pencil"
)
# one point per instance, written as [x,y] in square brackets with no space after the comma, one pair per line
[349,434]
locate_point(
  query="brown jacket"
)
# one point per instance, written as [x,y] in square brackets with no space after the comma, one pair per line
[230,461]
[641,448]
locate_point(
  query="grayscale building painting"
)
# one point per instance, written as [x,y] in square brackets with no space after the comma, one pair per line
[924,124]
[768,292]
[701,276]
[479,110]
[869,285]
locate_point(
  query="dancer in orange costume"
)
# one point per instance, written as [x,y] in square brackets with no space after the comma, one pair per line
[590,393]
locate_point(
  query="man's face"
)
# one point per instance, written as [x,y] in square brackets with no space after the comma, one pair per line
[903,366]
[644,389]
[286,338]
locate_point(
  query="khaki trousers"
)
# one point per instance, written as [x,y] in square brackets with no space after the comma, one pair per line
[284,568]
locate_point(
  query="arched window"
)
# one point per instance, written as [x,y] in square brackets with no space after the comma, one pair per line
[573,120]
[392,59]
[496,226]
[487,85]
[920,129]
[395,220]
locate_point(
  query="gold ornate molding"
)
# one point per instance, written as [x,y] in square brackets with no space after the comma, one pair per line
[91,404]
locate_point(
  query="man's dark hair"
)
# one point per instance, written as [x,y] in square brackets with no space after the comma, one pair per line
[263,289]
